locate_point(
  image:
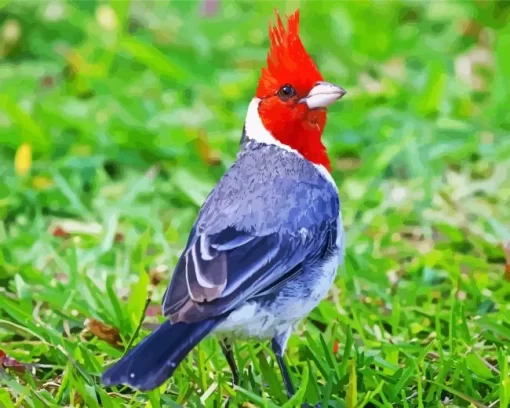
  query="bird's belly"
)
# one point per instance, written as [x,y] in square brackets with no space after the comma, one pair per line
[269,315]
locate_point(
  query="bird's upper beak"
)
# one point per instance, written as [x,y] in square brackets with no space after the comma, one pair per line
[322,95]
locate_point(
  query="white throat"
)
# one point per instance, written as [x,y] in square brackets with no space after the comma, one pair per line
[256,131]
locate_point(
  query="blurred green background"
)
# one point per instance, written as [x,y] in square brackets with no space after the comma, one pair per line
[116,120]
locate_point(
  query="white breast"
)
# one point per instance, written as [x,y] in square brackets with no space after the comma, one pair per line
[265,320]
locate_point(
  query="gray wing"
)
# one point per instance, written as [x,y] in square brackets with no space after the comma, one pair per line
[248,240]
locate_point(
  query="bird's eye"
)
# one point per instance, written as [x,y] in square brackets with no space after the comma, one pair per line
[286,92]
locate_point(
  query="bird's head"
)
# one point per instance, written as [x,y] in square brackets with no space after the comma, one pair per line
[291,99]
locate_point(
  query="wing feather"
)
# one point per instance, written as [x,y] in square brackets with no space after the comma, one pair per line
[213,286]
[251,236]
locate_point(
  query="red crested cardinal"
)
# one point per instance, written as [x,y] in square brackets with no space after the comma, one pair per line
[267,242]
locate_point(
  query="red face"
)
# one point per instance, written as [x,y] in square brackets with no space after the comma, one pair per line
[288,80]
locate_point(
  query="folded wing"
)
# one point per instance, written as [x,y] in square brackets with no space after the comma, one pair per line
[244,243]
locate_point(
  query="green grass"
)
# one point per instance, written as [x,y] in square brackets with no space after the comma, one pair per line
[132,122]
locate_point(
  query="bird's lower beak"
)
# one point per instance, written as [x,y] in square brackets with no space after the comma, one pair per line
[322,95]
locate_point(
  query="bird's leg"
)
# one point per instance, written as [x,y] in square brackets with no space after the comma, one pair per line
[278,344]
[226,348]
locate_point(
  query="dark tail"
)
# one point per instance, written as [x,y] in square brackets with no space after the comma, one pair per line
[154,360]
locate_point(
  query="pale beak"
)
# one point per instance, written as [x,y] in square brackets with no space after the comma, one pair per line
[322,95]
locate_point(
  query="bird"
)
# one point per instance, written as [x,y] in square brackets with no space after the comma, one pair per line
[267,242]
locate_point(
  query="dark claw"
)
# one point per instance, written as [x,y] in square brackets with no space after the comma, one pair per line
[226,348]
[278,352]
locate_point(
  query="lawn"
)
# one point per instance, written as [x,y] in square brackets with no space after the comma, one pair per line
[117,119]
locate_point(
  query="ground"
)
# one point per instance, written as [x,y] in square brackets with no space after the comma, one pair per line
[116,120]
